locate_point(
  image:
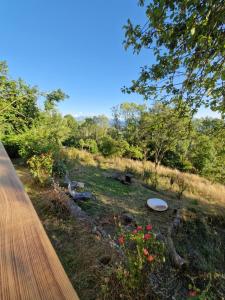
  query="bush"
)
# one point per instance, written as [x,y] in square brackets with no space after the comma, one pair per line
[151,177]
[111,147]
[182,185]
[41,167]
[134,153]
[45,136]
[59,168]
[91,146]
[81,144]
[142,253]
[12,149]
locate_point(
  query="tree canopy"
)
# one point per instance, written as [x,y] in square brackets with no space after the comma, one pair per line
[188,41]
[18,104]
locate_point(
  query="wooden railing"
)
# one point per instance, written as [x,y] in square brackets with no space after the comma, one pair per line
[29,266]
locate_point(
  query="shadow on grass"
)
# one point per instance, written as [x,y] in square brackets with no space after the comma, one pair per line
[113,197]
[201,239]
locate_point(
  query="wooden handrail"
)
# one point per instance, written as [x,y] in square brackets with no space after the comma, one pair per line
[29,266]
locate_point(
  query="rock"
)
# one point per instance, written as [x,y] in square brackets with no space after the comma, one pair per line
[128,178]
[128,218]
[76,185]
[123,178]
[82,196]
[76,195]
[160,237]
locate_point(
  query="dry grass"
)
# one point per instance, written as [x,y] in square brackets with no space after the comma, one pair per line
[196,186]
[79,250]
[200,241]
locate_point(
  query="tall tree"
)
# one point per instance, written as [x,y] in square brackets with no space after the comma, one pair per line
[188,41]
[161,129]
[18,104]
[131,114]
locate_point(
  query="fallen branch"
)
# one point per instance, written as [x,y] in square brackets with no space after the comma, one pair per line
[176,259]
[77,212]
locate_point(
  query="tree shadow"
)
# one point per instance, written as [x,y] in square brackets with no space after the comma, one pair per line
[113,197]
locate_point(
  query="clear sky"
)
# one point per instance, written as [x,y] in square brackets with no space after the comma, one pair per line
[73,45]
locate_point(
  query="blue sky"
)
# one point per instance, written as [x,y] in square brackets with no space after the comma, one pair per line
[73,45]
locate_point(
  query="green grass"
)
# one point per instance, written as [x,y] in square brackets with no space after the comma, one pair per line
[201,239]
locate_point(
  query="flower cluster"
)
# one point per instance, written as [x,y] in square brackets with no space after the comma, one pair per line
[146,243]
[141,248]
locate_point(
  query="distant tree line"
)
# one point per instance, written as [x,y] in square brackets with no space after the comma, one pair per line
[164,134]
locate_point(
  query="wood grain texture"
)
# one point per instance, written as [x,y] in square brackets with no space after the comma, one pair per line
[29,266]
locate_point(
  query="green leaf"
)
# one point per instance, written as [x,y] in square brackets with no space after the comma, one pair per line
[192,30]
[223,75]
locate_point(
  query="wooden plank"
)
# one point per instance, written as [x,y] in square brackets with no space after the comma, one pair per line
[29,266]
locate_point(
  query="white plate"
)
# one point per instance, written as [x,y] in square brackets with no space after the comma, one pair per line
[157,204]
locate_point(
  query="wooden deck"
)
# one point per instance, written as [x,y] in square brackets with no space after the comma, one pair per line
[29,266]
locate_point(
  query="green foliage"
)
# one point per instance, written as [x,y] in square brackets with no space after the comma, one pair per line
[187,39]
[73,126]
[202,154]
[182,185]
[59,167]
[54,97]
[164,133]
[41,167]
[162,128]
[91,146]
[134,153]
[18,107]
[81,143]
[45,135]
[111,147]
[142,251]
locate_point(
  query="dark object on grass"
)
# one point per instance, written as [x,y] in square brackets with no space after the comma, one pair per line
[123,178]
[72,185]
[77,185]
[127,218]
[82,196]
[128,178]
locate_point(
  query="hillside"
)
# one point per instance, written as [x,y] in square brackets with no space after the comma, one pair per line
[89,259]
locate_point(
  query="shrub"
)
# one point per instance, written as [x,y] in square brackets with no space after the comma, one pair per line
[108,146]
[41,167]
[12,149]
[45,136]
[150,176]
[81,144]
[134,153]
[182,185]
[91,146]
[59,167]
[142,253]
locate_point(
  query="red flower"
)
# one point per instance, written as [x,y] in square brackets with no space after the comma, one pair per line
[139,228]
[150,258]
[134,231]
[121,240]
[192,293]
[148,227]
[145,251]
[147,236]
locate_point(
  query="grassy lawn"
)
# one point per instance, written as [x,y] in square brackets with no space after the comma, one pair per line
[201,240]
